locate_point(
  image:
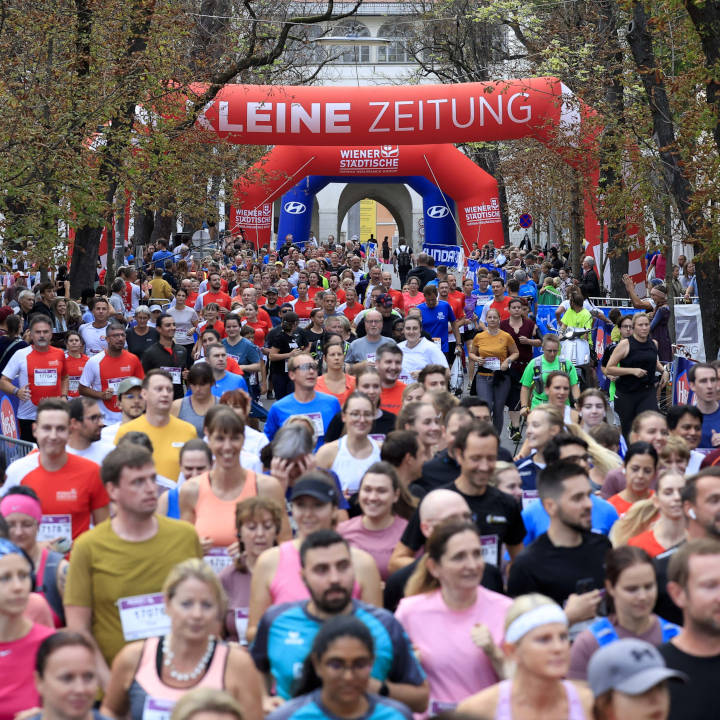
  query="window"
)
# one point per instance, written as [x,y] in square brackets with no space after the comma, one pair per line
[351,53]
[396,51]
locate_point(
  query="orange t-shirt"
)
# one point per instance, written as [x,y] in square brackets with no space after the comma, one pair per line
[322,387]
[397,298]
[648,542]
[622,505]
[351,312]
[221,298]
[75,490]
[302,308]
[313,291]
[391,398]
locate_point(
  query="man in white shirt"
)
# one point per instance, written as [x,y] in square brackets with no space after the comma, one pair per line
[86,423]
[93,334]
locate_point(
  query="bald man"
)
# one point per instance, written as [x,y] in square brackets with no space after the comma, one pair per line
[437,506]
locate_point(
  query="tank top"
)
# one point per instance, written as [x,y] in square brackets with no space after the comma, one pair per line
[641,355]
[46,584]
[287,585]
[148,692]
[504,706]
[351,469]
[188,414]
[215,518]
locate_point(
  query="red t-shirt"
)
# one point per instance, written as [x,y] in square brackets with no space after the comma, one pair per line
[221,298]
[302,308]
[191,299]
[340,295]
[502,306]
[74,368]
[457,305]
[398,301]
[648,542]
[103,372]
[313,291]
[621,505]
[286,299]
[42,371]
[391,398]
[260,332]
[218,325]
[352,312]
[75,490]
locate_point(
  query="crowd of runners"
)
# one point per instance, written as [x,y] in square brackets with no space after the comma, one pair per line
[321,482]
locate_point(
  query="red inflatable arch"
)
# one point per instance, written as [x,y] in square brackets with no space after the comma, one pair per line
[542,108]
[474,191]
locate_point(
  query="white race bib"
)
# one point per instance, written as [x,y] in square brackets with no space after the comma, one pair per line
[114,384]
[143,616]
[371,358]
[55,526]
[529,497]
[218,559]
[491,363]
[156,709]
[317,422]
[45,377]
[175,374]
[241,623]
[489,545]
[73,383]
[437,341]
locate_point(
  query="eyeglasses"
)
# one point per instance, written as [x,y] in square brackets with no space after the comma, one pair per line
[356,415]
[305,367]
[356,666]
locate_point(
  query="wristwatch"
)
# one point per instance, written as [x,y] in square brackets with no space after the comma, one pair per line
[384,690]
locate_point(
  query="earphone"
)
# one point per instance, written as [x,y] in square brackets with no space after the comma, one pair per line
[692,514]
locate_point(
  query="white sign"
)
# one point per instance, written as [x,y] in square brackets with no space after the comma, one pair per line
[689,331]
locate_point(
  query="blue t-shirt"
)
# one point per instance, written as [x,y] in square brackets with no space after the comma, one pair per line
[245,352]
[435,321]
[537,521]
[310,707]
[710,422]
[528,289]
[286,633]
[321,410]
[231,381]
[528,469]
[160,256]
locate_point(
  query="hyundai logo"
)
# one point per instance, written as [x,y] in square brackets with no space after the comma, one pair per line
[294,208]
[437,211]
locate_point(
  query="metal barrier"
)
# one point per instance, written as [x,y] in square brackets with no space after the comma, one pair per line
[12,449]
[625,302]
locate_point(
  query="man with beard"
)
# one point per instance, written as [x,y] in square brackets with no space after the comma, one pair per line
[286,632]
[694,586]
[567,562]
[389,364]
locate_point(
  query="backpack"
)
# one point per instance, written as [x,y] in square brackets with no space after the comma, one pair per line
[538,382]
[404,261]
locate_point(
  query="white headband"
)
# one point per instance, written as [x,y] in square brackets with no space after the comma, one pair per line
[541,615]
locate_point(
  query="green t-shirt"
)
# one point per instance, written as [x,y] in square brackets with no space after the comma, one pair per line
[545,369]
[105,568]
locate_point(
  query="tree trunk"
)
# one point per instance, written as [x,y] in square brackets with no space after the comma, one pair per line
[163,227]
[675,179]
[576,228]
[144,223]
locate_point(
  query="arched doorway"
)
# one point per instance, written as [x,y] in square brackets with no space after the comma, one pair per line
[395,197]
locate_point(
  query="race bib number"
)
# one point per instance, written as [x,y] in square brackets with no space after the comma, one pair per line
[143,616]
[181,337]
[241,623]
[55,526]
[371,358]
[437,341]
[529,497]
[73,383]
[317,422]
[114,384]
[175,374]
[218,559]
[45,377]
[156,709]
[489,545]
[407,379]
[304,322]
[491,363]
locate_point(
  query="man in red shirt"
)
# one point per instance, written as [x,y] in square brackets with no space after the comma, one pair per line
[214,294]
[454,292]
[334,285]
[396,295]
[352,306]
[500,301]
[68,486]
[457,304]
[40,373]
[388,361]
[303,305]
[104,372]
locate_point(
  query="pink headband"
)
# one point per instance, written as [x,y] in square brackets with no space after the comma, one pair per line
[21,504]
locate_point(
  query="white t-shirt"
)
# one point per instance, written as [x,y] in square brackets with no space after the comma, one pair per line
[95,451]
[94,338]
[184,320]
[415,359]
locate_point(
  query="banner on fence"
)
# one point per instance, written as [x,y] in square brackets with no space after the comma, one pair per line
[450,255]
[688,330]
[8,416]
[682,394]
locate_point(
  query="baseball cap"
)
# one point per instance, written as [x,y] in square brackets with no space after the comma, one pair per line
[318,489]
[128,384]
[385,300]
[631,666]
[271,291]
[155,308]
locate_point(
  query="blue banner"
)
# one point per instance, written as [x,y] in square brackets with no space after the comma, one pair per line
[449,255]
[8,415]
[682,394]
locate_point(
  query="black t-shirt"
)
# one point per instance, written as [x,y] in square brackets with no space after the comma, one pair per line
[157,356]
[282,342]
[138,344]
[496,515]
[554,571]
[664,606]
[698,699]
[423,274]
[382,426]
[394,590]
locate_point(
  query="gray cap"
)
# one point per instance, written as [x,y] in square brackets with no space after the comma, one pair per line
[631,666]
[155,308]
[128,384]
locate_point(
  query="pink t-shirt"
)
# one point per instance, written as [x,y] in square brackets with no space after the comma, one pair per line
[378,543]
[17,663]
[455,666]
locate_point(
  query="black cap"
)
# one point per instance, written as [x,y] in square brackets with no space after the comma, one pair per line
[290,317]
[318,489]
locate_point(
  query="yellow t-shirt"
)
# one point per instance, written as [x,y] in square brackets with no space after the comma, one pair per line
[499,346]
[105,568]
[167,442]
[160,288]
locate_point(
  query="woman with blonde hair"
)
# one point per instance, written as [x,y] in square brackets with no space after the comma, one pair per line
[506,478]
[412,393]
[154,674]
[422,418]
[537,643]
[454,623]
[198,703]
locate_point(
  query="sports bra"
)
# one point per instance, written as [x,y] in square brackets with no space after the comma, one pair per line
[287,585]
[504,706]
[215,518]
[147,690]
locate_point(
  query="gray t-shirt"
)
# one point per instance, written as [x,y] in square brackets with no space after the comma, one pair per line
[363,349]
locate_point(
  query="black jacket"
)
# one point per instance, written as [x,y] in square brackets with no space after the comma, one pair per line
[156,356]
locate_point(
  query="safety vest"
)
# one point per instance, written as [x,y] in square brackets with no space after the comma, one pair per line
[605,633]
